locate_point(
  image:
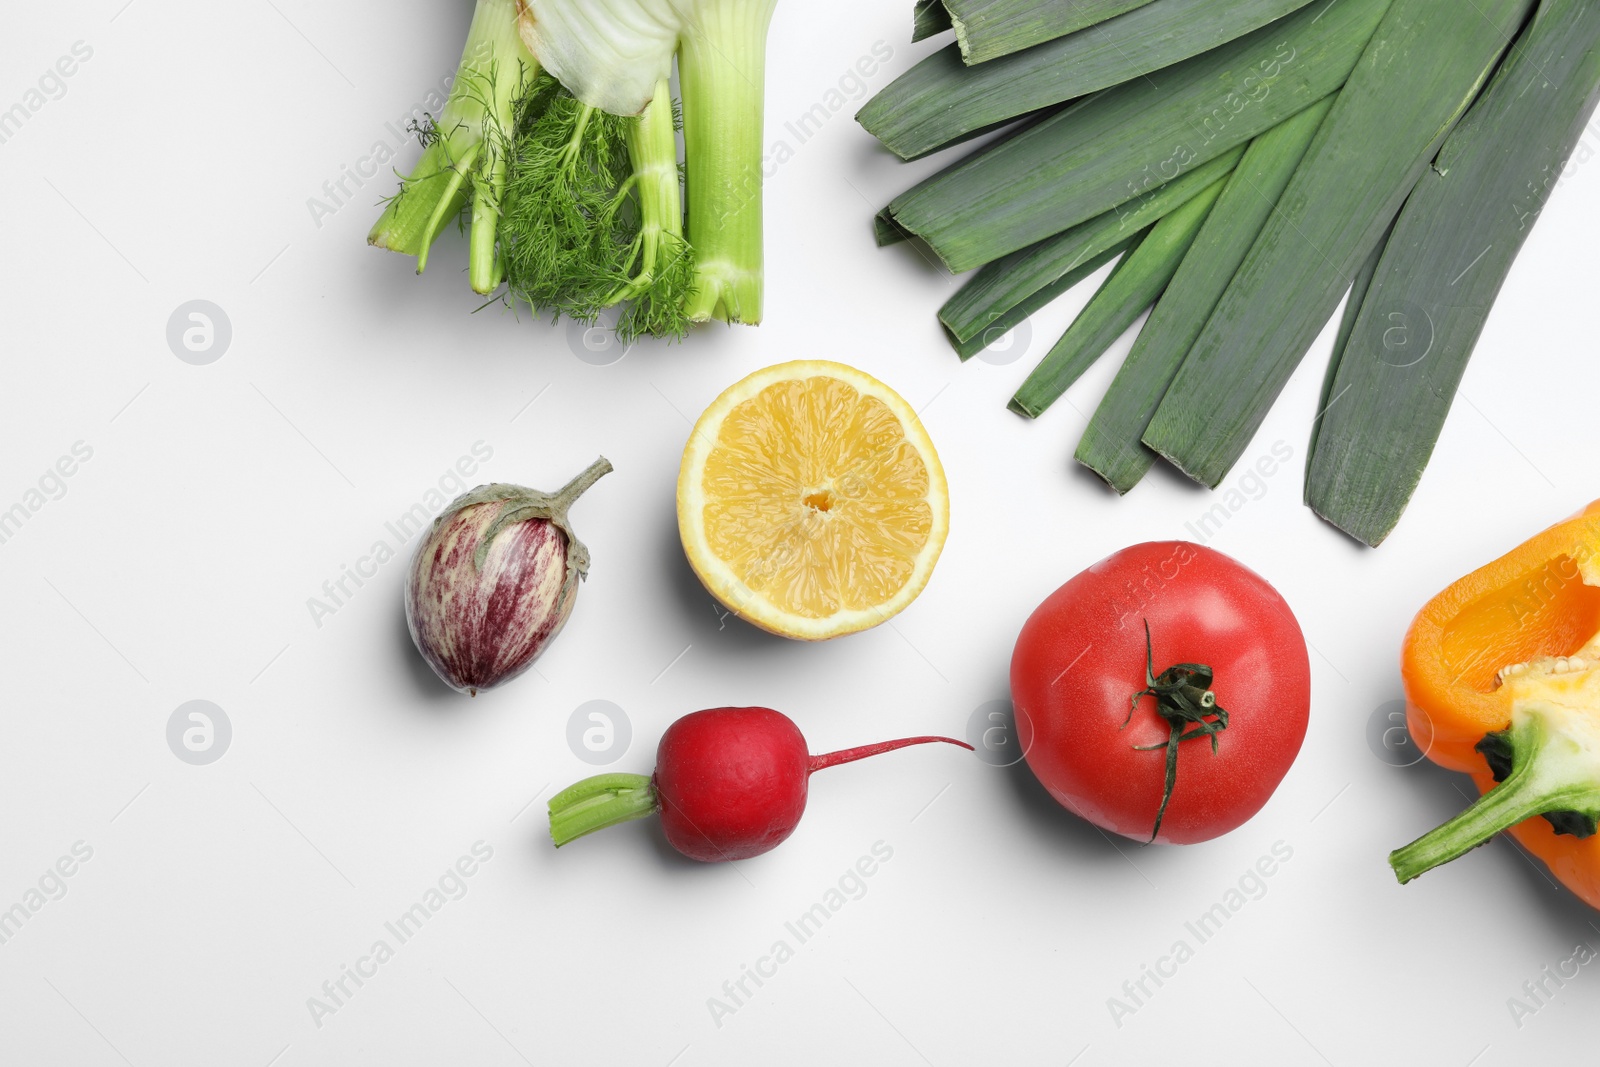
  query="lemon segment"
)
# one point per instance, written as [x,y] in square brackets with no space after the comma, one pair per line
[811,502]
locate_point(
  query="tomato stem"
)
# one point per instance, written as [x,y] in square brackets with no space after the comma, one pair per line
[1185,700]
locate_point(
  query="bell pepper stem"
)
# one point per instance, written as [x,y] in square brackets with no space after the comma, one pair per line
[1555,767]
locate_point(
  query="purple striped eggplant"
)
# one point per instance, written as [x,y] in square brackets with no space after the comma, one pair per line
[495,580]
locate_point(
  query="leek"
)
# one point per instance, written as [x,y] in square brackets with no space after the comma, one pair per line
[1111,445]
[1106,150]
[1347,326]
[1136,284]
[986,29]
[928,18]
[1450,252]
[941,100]
[1366,158]
[1015,316]
[1006,283]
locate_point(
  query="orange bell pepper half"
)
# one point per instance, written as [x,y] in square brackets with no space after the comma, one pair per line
[1502,680]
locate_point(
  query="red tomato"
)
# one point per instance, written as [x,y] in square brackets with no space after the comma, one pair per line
[1081,658]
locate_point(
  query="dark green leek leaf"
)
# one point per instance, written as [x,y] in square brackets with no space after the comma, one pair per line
[1347,326]
[1136,284]
[1005,283]
[1424,67]
[1013,318]
[1442,270]
[1107,150]
[1110,445]
[988,29]
[929,17]
[941,100]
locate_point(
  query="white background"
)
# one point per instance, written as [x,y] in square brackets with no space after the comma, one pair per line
[178,565]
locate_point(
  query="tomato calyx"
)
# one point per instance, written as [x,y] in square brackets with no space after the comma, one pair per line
[1185,700]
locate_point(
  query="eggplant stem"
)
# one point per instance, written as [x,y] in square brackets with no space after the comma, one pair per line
[576,488]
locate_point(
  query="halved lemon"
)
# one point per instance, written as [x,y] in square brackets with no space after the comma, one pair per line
[811,501]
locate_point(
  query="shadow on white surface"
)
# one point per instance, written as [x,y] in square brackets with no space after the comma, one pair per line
[696,603]
[432,692]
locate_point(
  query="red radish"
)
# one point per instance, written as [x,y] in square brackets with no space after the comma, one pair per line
[730,783]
